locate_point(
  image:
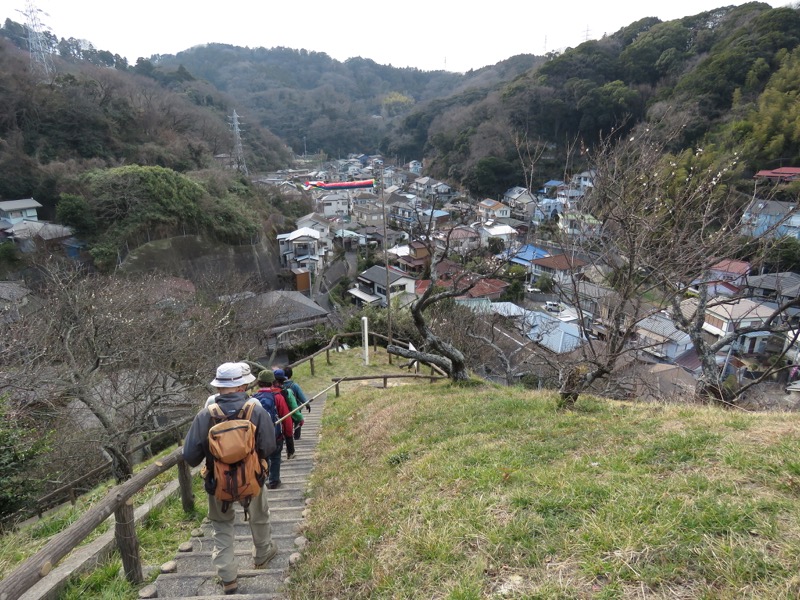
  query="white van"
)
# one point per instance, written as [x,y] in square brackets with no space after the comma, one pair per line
[552,306]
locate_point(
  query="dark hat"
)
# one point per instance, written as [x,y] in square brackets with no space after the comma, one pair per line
[279,374]
[265,376]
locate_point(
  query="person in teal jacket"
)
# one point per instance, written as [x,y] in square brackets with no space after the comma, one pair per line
[291,400]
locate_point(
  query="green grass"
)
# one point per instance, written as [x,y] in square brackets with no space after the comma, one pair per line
[442,491]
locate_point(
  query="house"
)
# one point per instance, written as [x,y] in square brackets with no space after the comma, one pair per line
[549,188]
[583,182]
[520,200]
[525,255]
[429,220]
[561,267]
[15,301]
[28,235]
[416,261]
[315,221]
[491,210]
[770,218]
[459,239]
[657,335]
[579,225]
[490,229]
[779,175]
[402,214]
[368,214]
[489,288]
[414,167]
[15,211]
[774,286]
[336,204]
[725,278]
[545,330]
[371,286]
[547,209]
[281,318]
[301,249]
[725,316]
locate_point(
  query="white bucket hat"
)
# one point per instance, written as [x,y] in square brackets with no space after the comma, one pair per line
[231,375]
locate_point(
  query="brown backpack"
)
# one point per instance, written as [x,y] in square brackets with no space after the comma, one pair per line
[237,472]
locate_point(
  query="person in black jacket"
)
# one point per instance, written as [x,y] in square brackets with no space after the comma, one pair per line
[231,383]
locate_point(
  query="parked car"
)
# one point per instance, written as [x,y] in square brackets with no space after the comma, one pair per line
[552,306]
[531,289]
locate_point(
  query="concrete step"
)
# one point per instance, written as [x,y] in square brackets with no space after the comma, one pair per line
[244,543]
[206,583]
[198,562]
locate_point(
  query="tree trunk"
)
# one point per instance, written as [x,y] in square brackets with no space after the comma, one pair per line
[456,370]
[120,465]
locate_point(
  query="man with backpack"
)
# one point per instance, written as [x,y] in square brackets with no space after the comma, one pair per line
[291,402]
[235,436]
[273,402]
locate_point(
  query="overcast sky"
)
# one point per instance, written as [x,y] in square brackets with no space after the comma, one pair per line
[456,36]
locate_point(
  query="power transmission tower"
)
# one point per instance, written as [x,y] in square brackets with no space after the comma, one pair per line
[41,61]
[238,153]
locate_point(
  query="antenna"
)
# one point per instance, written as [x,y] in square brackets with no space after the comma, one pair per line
[41,61]
[238,153]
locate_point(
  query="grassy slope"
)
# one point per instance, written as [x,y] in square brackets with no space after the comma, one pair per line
[448,492]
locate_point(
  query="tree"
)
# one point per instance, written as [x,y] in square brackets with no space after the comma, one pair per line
[667,220]
[112,359]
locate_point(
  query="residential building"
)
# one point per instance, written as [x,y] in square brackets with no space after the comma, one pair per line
[774,286]
[771,218]
[430,220]
[561,267]
[723,317]
[368,214]
[459,239]
[336,204]
[506,233]
[416,261]
[371,286]
[545,330]
[491,210]
[525,255]
[725,278]
[656,334]
[15,211]
[302,249]
[578,225]
[779,175]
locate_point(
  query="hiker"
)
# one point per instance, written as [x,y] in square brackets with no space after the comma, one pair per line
[291,401]
[298,392]
[231,382]
[274,403]
[246,373]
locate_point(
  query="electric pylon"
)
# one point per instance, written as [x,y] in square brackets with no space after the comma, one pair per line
[41,61]
[238,153]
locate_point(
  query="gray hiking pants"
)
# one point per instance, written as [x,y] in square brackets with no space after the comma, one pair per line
[223,557]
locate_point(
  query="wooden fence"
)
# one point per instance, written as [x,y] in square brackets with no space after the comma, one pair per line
[119,502]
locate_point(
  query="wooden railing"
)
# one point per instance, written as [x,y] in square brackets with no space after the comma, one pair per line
[386,378]
[119,502]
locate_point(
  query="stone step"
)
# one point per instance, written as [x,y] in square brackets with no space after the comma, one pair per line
[206,583]
[198,562]
[244,543]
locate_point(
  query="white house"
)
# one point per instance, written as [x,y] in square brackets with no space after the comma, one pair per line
[302,249]
[336,204]
[14,211]
[491,210]
[657,335]
[724,316]
[492,230]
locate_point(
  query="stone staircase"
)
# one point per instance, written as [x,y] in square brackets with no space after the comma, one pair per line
[190,574]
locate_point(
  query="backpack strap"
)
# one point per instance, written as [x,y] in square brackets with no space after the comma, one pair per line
[247,410]
[216,412]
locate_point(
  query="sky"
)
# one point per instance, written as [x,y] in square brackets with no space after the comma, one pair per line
[429,36]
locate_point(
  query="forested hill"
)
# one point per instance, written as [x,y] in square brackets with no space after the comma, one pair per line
[314,102]
[729,77]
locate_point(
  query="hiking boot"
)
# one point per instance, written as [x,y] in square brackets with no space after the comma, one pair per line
[273,550]
[230,587]
[290,456]
[273,485]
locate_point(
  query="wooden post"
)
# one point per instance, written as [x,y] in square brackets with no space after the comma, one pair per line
[385,382]
[41,563]
[337,389]
[185,480]
[127,542]
[328,355]
[312,366]
[72,497]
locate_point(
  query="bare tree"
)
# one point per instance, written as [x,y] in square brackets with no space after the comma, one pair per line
[109,359]
[666,221]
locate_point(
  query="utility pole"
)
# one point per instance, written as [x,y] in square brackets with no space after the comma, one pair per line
[379,181]
[41,62]
[238,152]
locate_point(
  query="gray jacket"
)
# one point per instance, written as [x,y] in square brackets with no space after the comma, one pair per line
[195,447]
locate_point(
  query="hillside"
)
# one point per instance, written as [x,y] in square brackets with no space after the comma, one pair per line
[441,491]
